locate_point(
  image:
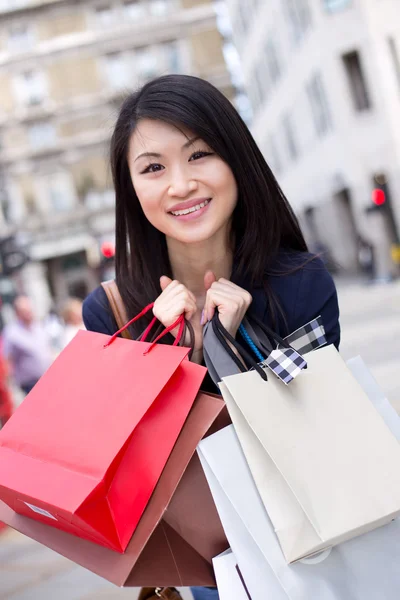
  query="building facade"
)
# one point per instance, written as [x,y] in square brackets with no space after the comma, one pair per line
[65,67]
[323,77]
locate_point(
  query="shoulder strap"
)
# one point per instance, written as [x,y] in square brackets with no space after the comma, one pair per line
[117,305]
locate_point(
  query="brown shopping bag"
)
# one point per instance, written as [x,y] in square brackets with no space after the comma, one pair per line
[179,532]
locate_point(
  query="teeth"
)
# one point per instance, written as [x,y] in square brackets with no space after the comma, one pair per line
[178,213]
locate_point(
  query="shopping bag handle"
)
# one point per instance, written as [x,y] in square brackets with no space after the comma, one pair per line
[188,328]
[179,322]
[224,337]
[270,333]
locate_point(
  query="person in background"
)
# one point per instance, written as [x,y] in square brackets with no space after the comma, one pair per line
[27,346]
[72,316]
[6,403]
[54,327]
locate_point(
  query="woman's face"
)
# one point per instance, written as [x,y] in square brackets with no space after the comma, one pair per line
[186,190]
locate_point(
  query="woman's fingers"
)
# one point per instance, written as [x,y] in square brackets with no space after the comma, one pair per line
[165,282]
[209,279]
[175,300]
[232,303]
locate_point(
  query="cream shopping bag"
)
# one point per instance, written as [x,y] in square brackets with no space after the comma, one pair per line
[325,463]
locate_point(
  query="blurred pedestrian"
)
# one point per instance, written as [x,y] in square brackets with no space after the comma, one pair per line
[72,316]
[55,329]
[366,257]
[6,404]
[27,346]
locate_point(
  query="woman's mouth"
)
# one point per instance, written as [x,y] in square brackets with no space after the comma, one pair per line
[192,212]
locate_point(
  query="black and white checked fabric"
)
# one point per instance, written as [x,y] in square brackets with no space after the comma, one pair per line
[309,337]
[286,363]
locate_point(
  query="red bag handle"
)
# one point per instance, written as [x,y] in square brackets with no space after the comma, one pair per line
[146,332]
[180,321]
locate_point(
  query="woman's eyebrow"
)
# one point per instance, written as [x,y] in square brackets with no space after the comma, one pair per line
[154,154]
[158,155]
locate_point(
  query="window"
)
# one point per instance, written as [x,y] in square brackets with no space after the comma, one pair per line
[395,58]
[60,196]
[146,63]
[105,15]
[134,9]
[244,16]
[356,80]
[298,15]
[336,5]
[159,8]
[20,38]
[274,68]
[118,72]
[55,191]
[30,88]
[13,4]
[319,104]
[172,57]
[289,137]
[42,135]
[258,88]
[272,155]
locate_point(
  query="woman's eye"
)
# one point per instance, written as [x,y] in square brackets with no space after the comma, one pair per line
[153,168]
[199,154]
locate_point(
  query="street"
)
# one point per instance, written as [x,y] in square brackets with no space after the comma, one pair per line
[370,318]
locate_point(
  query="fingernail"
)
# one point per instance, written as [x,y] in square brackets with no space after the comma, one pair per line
[202,320]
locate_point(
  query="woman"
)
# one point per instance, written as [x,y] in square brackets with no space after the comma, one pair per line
[201,219]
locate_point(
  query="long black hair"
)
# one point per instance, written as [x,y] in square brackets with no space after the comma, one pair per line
[263,221]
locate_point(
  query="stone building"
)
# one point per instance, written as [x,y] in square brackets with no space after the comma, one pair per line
[64,69]
[324,80]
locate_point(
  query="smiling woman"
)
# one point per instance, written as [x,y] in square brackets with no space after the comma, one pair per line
[202,224]
[185,189]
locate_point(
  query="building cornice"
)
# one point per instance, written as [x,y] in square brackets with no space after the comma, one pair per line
[61,149]
[179,25]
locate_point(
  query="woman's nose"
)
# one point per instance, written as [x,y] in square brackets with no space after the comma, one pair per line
[181,185]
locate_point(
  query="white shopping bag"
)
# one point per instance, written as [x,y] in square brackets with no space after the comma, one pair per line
[363,568]
[228,577]
[316,449]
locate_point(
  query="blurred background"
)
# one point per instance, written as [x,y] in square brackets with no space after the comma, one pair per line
[318,83]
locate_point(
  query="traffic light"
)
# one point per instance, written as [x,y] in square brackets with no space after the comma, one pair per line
[381,203]
[107,263]
[108,250]
[378,196]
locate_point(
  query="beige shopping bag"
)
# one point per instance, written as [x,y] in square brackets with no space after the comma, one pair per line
[325,463]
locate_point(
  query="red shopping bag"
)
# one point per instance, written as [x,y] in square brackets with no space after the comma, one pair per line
[84,451]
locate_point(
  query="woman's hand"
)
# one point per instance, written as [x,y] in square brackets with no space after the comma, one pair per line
[174,301]
[231,300]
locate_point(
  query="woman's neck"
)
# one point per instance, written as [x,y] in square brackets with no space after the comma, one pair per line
[190,262]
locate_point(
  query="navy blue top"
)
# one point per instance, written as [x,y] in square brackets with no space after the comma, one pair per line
[301,283]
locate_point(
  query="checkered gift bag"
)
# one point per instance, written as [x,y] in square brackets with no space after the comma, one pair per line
[309,337]
[286,363]
[286,360]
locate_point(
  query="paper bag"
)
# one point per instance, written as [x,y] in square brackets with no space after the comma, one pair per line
[85,449]
[180,531]
[325,463]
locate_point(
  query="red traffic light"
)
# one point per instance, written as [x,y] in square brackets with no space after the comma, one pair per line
[108,249]
[378,197]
